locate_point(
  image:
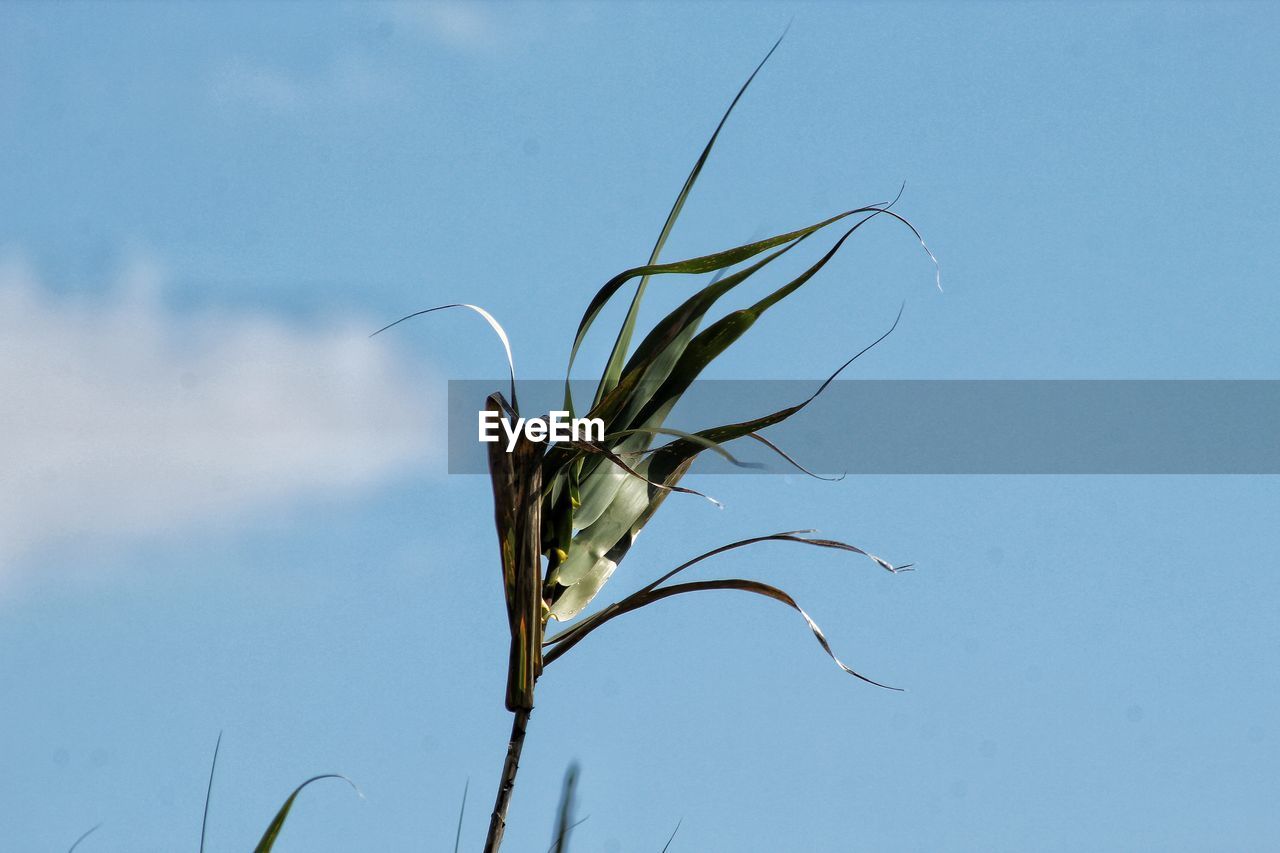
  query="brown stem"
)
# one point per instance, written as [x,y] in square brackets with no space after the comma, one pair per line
[498,821]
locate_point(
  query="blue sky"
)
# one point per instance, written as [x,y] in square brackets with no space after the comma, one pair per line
[224,508]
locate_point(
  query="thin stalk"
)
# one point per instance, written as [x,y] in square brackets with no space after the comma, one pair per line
[498,821]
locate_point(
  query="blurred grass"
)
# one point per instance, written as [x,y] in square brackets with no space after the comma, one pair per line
[563,829]
[565,821]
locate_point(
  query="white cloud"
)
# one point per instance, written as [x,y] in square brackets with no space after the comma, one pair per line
[349,79]
[474,27]
[121,419]
[470,26]
[243,82]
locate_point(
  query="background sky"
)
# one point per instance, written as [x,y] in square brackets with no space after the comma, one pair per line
[223,508]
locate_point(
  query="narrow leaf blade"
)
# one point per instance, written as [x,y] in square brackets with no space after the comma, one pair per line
[613,368]
[273,830]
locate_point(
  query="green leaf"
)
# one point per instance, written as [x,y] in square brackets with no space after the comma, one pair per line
[591,544]
[645,374]
[615,509]
[681,450]
[706,443]
[613,368]
[661,349]
[612,457]
[655,591]
[710,343]
[648,390]
[273,831]
[691,266]
[647,598]
[573,634]
[600,486]
[778,450]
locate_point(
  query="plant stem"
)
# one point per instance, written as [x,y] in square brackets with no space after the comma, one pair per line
[498,821]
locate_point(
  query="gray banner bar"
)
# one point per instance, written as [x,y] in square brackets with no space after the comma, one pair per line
[953,426]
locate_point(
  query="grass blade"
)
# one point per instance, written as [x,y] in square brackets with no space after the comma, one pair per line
[208,794]
[462,811]
[564,818]
[709,344]
[691,266]
[694,437]
[87,833]
[488,318]
[613,368]
[778,450]
[662,347]
[570,637]
[667,846]
[647,597]
[789,536]
[591,447]
[273,830]
[624,505]
[669,360]
[682,450]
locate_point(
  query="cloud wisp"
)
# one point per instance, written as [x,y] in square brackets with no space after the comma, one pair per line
[482,30]
[351,79]
[470,27]
[122,419]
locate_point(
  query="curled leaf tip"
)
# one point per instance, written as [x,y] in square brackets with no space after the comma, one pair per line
[85,835]
[488,318]
[778,450]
